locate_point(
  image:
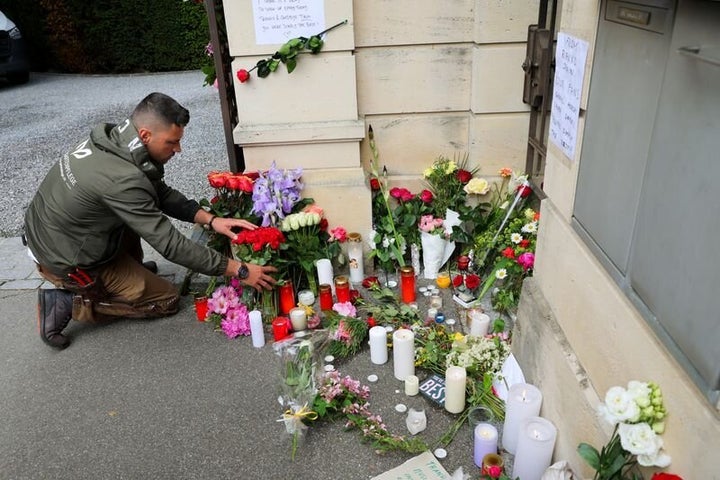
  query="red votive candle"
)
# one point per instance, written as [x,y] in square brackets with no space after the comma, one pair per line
[463,262]
[326,298]
[287,297]
[407,284]
[342,289]
[281,328]
[201,308]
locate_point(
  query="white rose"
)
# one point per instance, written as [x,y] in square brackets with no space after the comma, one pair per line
[285,225]
[660,459]
[619,406]
[640,393]
[477,186]
[639,439]
[315,218]
[294,222]
[302,219]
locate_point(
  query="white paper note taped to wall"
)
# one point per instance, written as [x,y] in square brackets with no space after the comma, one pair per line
[277,21]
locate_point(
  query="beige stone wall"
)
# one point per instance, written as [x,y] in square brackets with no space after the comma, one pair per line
[578,335]
[432,78]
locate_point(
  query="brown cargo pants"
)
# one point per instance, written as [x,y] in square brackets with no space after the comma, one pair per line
[121,288]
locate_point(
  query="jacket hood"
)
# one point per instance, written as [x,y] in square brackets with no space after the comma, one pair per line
[123,141]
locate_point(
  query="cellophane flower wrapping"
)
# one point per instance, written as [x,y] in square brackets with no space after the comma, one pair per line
[300,376]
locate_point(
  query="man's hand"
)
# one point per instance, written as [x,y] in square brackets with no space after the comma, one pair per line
[225,226]
[259,276]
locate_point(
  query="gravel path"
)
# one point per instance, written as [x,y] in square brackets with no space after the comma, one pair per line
[41,120]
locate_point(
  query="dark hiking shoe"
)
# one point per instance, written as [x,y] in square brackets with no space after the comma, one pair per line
[152,266]
[54,313]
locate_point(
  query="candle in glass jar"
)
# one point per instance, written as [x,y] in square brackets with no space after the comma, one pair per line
[280,328]
[412,385]
[287,297]
[486,438]
[455,379]
[463,262]
[403,353]
[355,257]
[306,297]
[523,401]
[479,322]
[536,442]
[326,298]
[378,345]
[342,289]
[407,284]
[298,319]
[443,280]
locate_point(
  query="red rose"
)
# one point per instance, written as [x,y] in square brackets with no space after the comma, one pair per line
[374,184]
[252,175]
[524,190]
[243,75]
[217,179]
[370,281]
[463,175]
[214,199]
[472,281]
[323,224]
[508,253]
[401,194]
[457,281]
[665,476]
[245,183]
[371,322]
[426,196]
[524,243]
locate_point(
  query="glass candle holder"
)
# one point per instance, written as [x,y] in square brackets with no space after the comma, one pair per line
[407,284]
[443,280]
[326,298]
[201,308]
[355,257]
[342,289]
[287,297]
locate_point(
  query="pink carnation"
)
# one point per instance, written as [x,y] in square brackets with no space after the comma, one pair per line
[339,234]
[346,309]
[526,260]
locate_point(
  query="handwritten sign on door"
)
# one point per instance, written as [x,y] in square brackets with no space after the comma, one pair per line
[277,21]
[569,73]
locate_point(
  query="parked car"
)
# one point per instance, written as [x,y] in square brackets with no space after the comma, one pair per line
[14,63]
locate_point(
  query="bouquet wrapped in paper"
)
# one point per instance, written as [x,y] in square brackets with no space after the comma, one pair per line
[299,381]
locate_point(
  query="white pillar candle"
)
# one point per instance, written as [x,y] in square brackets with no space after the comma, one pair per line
[412,385]
[455,379]
[256,329]
[298,319]
[403,353]
[536,442]
[378,345]
[479,323]
[486,438]
[524,401]
[325,273]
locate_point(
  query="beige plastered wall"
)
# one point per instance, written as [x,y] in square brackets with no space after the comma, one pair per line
[577,335]
[432,78]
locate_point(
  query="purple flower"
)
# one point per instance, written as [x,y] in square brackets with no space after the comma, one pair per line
[236,322]
[275,193]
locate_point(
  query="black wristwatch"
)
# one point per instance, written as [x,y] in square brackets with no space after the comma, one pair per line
[243,273]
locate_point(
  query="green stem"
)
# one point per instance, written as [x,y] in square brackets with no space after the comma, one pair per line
[331,28]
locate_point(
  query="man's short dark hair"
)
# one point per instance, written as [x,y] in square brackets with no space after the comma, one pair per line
[159,106]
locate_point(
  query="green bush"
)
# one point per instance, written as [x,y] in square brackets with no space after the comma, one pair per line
[119,36]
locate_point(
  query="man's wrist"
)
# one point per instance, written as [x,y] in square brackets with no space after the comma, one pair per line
[243,272]
[208,226]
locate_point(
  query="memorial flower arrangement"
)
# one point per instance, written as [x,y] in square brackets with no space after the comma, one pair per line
[638,416]
[347,332]
[447,180]
[466,286]
[480,355]
[344,397]
[227,311]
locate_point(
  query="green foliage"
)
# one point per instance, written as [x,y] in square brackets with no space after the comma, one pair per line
[122,36]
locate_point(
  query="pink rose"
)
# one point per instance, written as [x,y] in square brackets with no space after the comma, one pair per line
[339,234]
[526,260]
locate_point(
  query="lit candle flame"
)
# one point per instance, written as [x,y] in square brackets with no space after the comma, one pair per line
[536,434]
[524,399]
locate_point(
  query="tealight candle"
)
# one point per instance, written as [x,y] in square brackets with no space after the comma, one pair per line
[436,301]
[455,379]
[403,353]
[378,345]
[486,438]
[524,401]
[536,442]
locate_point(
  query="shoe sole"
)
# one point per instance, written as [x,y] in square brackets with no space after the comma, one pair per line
[41,325]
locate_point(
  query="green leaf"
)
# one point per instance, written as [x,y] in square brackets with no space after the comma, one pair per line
[273,65]
[590,455]
[263,68]
[315,43]
[291,64]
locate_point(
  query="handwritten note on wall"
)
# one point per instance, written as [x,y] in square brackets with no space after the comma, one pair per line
[569,73]
[277,21]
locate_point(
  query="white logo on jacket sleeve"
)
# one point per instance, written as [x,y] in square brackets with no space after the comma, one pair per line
[82,150]
[134,144]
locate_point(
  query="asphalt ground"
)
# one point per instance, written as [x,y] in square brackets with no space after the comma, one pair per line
[161,399]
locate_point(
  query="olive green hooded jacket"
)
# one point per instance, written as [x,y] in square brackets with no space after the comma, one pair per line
[106,184]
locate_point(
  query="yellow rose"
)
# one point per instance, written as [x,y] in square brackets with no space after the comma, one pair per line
[450,167]
[477,186]
[428,172]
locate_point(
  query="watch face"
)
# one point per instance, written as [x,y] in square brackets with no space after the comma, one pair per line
[243,272]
